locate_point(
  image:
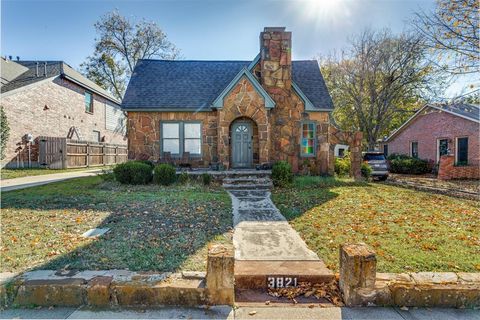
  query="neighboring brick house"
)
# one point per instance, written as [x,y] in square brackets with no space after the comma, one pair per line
[439,129]
[236,114]
[52,99]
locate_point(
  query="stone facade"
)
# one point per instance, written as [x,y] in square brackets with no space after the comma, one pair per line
[361,285]
[51,108]
[276,131]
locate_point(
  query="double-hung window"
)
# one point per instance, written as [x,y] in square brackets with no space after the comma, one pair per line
[414,149]
[180,137]
[88,102]
[307,143]
[462,151]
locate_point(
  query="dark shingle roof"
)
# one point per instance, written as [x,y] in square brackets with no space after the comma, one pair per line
[465,110]
[164,84]
[54,69]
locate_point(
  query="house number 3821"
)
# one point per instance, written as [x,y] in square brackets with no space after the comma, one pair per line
[281,282]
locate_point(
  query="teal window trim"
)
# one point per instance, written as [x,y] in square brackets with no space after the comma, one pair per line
[181,138]
[269,103]
[314,153]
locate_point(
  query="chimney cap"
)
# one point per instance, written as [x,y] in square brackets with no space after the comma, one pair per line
[274,29]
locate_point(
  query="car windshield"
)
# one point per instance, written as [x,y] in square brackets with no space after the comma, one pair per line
[373,156]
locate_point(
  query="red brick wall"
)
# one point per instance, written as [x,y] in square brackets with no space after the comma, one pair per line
[433,125]
[66,108]
[447,170]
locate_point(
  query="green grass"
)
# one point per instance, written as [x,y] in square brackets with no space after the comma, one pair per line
[151,227]
[409,230]
[20,173]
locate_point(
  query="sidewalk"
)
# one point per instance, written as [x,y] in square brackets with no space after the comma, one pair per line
[33,181]
[225,312]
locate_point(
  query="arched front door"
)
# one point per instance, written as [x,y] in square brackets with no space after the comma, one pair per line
[242,134]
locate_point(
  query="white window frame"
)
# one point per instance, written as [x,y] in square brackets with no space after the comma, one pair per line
[181,137]
[438,147]
[411,148]
[456,147]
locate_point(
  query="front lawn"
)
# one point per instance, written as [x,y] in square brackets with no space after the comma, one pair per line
[409,230]
[151,227]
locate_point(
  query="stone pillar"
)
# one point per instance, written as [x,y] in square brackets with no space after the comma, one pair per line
[356,155]
[220,275]
[358,267]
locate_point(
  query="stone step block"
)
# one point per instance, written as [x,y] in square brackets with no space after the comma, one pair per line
[250,274]
[247,186]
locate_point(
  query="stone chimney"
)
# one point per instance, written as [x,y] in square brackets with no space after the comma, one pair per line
[276,59]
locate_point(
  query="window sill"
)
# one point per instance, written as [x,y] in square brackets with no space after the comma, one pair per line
[88,112]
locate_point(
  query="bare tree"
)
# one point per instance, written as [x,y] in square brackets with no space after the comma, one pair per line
[452,32]
[377,82]
[119,46]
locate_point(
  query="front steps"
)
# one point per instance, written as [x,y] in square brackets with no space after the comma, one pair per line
[268,252]
[247,181]
[253,278]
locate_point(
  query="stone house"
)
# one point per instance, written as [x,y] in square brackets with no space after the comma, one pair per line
[52,99]
[439,129]
[235,114]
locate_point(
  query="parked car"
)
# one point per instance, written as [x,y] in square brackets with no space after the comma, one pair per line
[378,163]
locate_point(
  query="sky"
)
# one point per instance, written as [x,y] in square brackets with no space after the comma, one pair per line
[201,29]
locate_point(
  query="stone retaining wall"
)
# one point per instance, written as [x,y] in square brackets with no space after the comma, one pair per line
[447,170]
[110,288]
[361,285]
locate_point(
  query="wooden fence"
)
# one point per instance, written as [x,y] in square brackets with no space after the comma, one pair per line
[63,153]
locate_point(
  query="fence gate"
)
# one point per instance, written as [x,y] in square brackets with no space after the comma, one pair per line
[52,152]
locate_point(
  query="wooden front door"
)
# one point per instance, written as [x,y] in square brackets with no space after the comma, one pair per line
[242,156]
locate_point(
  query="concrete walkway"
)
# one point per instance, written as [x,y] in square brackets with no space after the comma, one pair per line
[33,181]
[225,312]
[261,231]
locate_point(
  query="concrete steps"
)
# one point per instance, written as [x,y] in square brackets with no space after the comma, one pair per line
[247,182]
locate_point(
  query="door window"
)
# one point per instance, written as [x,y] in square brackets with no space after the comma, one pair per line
[442,148]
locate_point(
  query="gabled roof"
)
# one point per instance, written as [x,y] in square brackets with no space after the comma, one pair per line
[269,103]
[463,110]
[194,85]
[54,69]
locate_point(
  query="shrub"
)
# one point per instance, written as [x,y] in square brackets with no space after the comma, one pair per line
[183,178]
[206,179]
[366,170]
[409,165]
[282,174]
[4,132]
[133,172]
[164,174]
[147,162]
[397,156]
[342,165]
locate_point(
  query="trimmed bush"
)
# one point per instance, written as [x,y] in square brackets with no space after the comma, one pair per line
[206,179]
[164,174]
[409,165]
[183,178]
[133,172]
[366,170]
[147,162]
[342,165]
[282,174]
